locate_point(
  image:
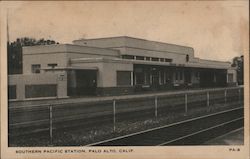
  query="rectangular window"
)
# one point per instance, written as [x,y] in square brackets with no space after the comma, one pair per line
[52,65]
[147,77]
[181,75]
[197,75]
[176,75]
[230,77]
[168,77]
[139,57]
[35,68]
[147,58]
[140,78]
[127,56]
[43,90]
[154,59]
[162,59]
[168,60]
[162,77]
[123,78]
[12,91]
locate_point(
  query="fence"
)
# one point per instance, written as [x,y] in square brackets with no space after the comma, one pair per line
[31,119]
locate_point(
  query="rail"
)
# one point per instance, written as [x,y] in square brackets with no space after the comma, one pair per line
[28,119]
[158,134]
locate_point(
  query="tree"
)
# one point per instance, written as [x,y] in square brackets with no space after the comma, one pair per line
[14,51]
[238,62]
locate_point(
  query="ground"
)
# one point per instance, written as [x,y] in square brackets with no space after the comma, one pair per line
[81,136]
[235,137]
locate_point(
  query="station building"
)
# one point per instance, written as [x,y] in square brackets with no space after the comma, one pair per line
[113,66]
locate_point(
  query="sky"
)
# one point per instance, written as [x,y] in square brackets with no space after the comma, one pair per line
[217,30]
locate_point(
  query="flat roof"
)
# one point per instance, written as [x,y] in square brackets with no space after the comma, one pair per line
[129,37]
[68,48]
[126,41]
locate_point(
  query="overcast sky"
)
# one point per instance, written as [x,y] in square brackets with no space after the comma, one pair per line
[216,30]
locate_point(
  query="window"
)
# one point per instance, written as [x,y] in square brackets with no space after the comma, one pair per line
[197,75]
[187,58]
[181,75]
[147,77]
[52,65]
[12,92]
[139,57]
[127,56]
[168,76]
[155,59]
[139,77]
[123,78]
[168,60]
[35,68]
[162,59]
[161,77]
[176,75]
[42,90]
[230,77]
[147,58]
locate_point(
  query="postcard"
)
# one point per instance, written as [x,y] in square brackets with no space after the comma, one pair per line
[125,79]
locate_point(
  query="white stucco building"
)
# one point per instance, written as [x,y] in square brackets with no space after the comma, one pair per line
[113,66]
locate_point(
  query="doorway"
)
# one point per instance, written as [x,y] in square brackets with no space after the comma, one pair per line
[84,83]
[187,76]
[155,79]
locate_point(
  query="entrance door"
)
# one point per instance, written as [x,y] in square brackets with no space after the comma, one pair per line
[187,76]
[155,79]
[206,78]
[85,83]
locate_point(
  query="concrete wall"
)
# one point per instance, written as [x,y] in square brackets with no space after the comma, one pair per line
[91,50]
[212,62]
[59,78]
[177,58]
[60,54]
[142,47]
[43,59]
[109,72]
[234,72]
[114,42]
[105,60]
[102,42]
[106,74]
[69,48]
[43,55]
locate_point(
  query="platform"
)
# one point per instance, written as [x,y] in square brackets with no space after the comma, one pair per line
[42,101]
[235,137]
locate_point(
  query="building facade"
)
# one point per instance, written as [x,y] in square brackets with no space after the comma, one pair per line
[113,66]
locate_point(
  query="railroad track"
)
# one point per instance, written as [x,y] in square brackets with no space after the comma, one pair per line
[189,132]
[25,120]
